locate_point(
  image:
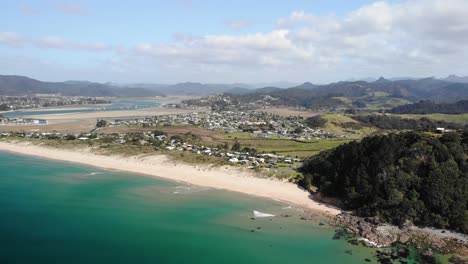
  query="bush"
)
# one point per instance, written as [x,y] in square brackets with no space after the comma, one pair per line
[315,121]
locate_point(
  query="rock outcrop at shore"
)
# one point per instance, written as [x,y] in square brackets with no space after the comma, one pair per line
[366,228]
[376,234]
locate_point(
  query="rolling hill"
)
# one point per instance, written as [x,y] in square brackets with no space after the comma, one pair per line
[382,92]
[21,85]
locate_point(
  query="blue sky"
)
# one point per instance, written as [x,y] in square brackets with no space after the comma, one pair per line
[229,41]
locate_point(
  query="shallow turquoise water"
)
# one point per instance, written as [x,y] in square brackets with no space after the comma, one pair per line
[62,213]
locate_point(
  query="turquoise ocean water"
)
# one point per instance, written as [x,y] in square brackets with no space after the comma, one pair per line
[54,212]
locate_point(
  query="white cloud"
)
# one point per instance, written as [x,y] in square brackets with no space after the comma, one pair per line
[247,50]
[238,24]
[11,39]
[73,9]
[27,10]
[414,37]
[54,42]
[408,37]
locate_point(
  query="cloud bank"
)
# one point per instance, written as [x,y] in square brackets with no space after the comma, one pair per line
[407,38]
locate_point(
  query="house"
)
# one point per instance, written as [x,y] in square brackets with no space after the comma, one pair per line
[161,137]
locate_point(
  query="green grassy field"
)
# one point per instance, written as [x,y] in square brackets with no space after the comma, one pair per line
[287,147]
[234,135]
[344,125]
[384,102]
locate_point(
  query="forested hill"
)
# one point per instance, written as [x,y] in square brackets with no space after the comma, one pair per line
[20,85]
[429,107]
[399,177]
[315,96]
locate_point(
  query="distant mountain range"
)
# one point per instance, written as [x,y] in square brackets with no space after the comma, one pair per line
[450,89]
[20,85]
[189,88]
[200,89]
[454,78]
[357,93]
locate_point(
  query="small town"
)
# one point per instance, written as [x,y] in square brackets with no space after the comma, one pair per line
[258,124]
[9,103]
[232,102]
[21,121]
[234,155]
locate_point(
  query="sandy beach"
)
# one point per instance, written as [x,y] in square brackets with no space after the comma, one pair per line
[225,177]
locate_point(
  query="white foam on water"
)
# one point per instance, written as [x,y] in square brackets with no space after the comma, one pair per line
[370,243]
[189,189]
[258,214]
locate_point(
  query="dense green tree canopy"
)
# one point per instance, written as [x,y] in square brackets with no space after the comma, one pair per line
[395,122]
[315,121]
[405,176]
[4,107]
[429,107]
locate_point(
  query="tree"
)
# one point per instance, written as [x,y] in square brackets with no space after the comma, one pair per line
[101,123]
[4,107]
[298,130]
[315,121]
[70,137]
[252,151]
[177,138]
[236,146]
[158,133]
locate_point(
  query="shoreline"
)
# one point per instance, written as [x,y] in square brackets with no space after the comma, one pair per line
[143,112]
[244,182]
[224,178]
[58,108]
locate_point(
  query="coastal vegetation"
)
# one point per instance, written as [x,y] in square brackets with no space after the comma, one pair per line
[400,177]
